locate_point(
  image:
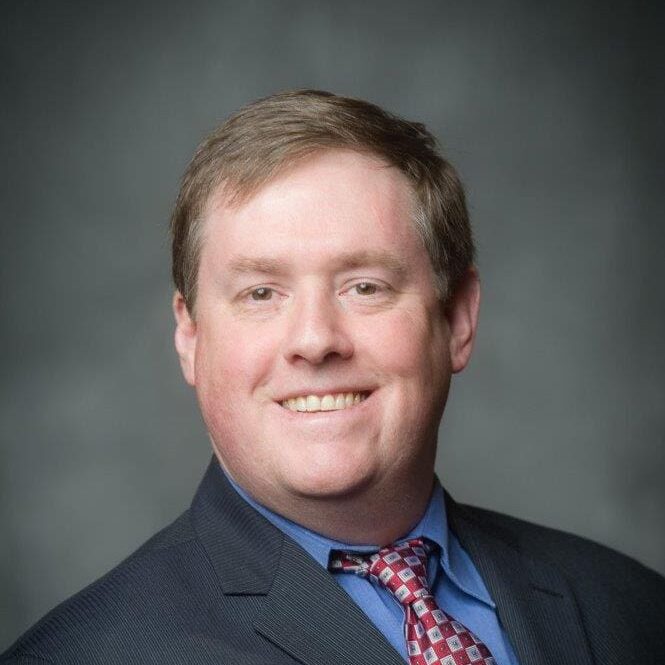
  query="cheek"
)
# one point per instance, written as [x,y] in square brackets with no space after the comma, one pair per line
[412,355]
[231,365]
[231,362]
[409,345]
[233,355]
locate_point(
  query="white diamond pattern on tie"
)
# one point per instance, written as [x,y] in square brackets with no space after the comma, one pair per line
[432,636]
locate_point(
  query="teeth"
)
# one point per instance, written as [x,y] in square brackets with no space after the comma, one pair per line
[328,403]
[313,403]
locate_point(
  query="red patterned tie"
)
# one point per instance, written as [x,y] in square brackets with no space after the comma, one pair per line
[432,636]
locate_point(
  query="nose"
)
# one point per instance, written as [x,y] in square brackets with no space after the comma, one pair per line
[317,331]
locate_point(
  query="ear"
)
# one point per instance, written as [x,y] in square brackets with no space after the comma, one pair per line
[185,337]
[462,315]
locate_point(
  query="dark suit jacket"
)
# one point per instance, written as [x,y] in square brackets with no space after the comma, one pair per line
[222,586]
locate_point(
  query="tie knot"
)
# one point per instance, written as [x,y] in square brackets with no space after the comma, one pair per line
[400,568]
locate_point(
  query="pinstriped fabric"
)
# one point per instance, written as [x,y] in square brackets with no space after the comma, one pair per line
[542,579]
[292,617]
[175,601]
[535,607]
[242,535]
[133,618]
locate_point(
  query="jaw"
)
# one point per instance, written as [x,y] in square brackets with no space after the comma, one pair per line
[336,472]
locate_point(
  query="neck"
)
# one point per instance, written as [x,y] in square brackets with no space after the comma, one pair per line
[378,520]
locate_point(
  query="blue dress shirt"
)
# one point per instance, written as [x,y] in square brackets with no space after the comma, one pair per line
[453,579]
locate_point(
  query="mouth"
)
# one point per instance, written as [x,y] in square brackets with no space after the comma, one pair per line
[327,402]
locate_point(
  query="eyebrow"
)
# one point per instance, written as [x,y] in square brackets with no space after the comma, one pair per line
[246,264]
[361,259]
[348,261]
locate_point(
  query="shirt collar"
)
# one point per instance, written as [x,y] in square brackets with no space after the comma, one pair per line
[433,525]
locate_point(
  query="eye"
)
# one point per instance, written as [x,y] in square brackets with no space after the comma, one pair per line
[261,293]
[366,288]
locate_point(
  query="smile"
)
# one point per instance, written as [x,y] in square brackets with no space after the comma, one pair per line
[312,403]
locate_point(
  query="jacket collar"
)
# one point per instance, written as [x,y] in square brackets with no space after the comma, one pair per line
[231,531]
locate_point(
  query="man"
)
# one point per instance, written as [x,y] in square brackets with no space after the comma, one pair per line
[326,293]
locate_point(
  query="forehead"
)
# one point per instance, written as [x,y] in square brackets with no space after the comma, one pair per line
[328,203]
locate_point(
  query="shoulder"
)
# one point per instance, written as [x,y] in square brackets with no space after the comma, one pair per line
[120,608]
[614,593]
[578,558]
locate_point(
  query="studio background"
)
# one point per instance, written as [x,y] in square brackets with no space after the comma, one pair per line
[552,114]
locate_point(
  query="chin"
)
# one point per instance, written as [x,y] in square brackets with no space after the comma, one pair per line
[330,481]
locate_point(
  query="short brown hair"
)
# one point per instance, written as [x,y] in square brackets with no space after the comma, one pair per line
[251,147]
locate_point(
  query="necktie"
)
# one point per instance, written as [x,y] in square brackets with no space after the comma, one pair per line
[432,636]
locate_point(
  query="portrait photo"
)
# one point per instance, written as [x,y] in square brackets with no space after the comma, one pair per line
[332,333]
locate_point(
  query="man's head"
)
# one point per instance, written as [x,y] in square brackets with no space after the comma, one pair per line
[324,339]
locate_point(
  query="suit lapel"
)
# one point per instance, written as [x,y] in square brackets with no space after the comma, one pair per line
[305,613]
[242,545]
[534,602]
[309,615]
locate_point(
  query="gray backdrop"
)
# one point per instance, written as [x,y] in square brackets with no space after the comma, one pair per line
[554,116]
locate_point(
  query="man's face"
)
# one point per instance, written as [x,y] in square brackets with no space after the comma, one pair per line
[320,353]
